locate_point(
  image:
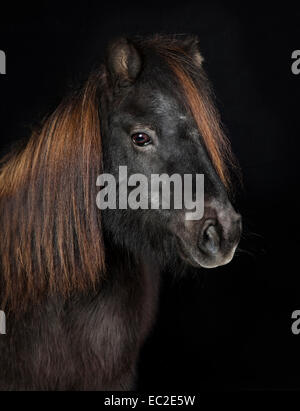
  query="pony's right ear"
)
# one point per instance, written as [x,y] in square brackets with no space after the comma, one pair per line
[123,61]
[191,44]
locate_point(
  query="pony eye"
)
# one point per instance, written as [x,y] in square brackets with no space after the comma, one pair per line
[141,139]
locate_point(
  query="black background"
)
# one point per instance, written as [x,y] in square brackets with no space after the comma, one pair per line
[227,328]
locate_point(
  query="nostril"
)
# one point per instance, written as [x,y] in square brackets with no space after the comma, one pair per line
[210,240]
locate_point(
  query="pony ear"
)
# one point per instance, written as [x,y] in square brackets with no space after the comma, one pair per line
[123,61]
[191,45]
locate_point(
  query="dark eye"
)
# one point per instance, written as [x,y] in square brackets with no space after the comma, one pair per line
[141,139]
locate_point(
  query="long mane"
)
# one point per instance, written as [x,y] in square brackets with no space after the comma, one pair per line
[50,237]
[198,98]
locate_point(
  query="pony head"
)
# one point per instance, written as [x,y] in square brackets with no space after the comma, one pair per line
[148,108]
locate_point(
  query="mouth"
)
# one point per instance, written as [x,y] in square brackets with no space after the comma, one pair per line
[198,258]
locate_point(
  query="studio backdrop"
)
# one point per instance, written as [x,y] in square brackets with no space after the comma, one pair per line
[194,87]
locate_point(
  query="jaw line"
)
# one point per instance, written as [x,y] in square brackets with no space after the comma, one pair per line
[186,256]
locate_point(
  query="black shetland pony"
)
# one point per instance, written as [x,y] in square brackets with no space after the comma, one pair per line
[79,287]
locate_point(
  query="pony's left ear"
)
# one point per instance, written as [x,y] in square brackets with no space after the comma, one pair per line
[191,45]
[123,61]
